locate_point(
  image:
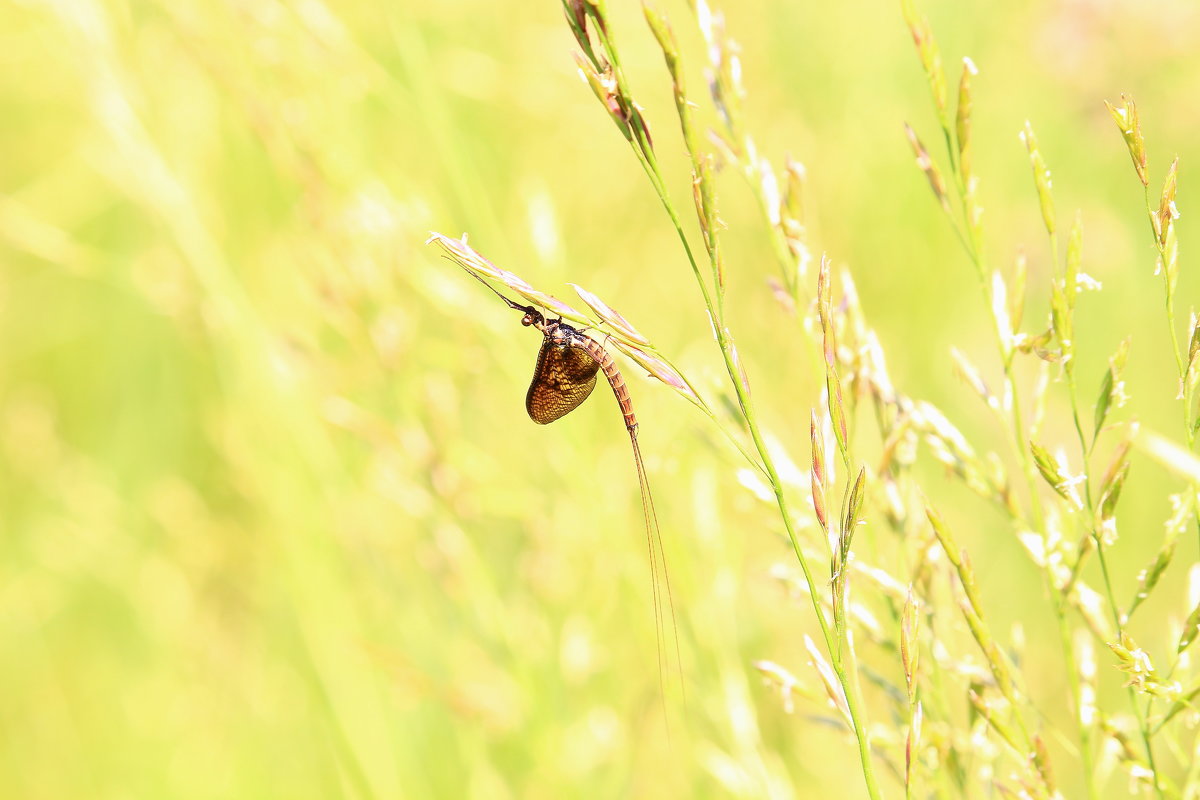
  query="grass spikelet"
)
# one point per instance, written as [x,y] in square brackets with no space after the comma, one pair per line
[576,14]
[833,383]
[1053,470]
[829,680]
[1167,212]
[1191,629]
[1041,177]
[931,57]
[912,744]
[962,119]
[462,254]
[1183,507]
[793,228]
[1110,492]
[606,313]
[1143,677]
[670,49]
[1148,578]
[910,646]
[988,709]
[817,472]
[660,369]
[1130,126]
[784,682]
[839,573]
[1112,388]
[1191,381]
[970,375]
[956,558]
[604,86]
[925,163]
[1005,324]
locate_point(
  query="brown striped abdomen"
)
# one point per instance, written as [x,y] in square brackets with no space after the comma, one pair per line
[609,367]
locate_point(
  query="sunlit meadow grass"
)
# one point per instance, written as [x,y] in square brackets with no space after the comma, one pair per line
[275,523]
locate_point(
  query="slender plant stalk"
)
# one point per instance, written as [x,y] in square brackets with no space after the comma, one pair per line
[969,235]
[1180,365]
[612,88]
[958,197]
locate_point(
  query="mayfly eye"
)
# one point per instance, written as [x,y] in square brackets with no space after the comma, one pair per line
[527,320]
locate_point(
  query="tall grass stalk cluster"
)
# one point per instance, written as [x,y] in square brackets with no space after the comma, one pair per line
[907,665]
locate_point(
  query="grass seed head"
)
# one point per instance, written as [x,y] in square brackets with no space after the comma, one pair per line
[1167,212]
[576,13]
[833,688]
[1191,629]
[910,646]
[1041,177]
[927,51]
[659,368]
[817,472]
[1112,388]
[1130,126]
[962,121]
[925,163]
[608,314]
[787,684]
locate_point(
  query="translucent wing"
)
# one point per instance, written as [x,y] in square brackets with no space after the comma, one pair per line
[563,378]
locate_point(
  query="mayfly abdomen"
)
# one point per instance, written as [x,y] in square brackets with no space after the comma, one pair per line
[615,380]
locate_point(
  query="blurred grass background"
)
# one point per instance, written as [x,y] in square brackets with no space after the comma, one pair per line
[274,522]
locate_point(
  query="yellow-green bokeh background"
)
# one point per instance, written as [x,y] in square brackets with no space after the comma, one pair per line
[273,522]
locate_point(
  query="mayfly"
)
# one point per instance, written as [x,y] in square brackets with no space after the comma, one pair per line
[567,366]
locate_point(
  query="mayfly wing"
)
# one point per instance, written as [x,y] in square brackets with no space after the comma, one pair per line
[563,378]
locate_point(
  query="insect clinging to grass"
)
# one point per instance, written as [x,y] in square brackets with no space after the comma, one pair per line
[568,364]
